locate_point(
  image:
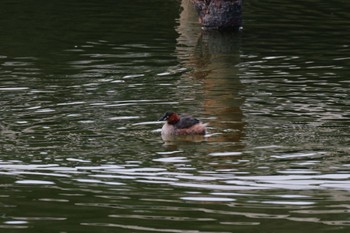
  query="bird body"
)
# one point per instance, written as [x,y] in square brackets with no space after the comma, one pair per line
[185,125]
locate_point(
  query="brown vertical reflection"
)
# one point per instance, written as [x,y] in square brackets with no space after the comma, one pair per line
[214,57]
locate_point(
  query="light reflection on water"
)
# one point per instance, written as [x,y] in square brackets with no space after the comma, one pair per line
[81,148]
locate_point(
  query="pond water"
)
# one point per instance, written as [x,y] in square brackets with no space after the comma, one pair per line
[83,83]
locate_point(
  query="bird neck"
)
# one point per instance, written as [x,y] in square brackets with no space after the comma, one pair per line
[173,119]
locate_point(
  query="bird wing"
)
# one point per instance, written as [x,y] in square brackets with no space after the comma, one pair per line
[186,122]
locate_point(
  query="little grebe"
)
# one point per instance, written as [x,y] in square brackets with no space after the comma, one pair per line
[185,125]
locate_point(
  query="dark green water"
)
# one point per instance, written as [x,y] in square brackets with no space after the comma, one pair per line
[82,84]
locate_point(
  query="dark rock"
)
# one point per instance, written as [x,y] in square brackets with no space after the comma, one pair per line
[219,14]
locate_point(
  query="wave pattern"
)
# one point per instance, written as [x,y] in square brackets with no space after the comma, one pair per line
[80,142]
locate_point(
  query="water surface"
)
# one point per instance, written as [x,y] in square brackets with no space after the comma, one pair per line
[83,83]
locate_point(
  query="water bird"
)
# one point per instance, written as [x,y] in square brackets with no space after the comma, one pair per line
[181,125]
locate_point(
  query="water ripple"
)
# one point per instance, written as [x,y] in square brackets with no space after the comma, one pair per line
[81,148]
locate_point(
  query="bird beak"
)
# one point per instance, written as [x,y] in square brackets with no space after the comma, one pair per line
[163,118]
